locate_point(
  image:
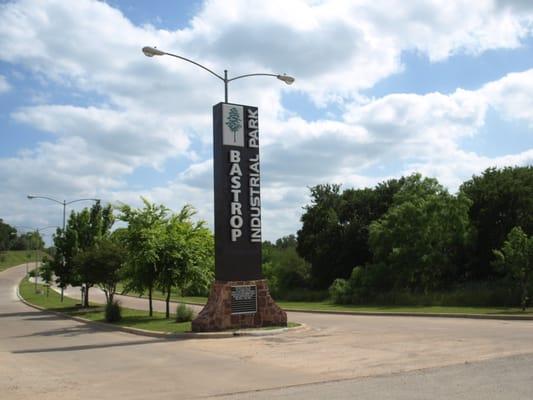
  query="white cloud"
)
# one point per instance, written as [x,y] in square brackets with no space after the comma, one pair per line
[4,85]
[512,95]
[144,111]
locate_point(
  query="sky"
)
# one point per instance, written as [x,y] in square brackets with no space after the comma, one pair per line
[383,88]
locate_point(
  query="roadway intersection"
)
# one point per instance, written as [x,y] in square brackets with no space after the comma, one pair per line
[338,356]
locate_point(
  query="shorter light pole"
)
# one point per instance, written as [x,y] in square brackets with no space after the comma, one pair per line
[64,203]
[36,248]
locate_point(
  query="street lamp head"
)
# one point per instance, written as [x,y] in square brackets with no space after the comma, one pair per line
[286,78]
[152,51]
[30,196]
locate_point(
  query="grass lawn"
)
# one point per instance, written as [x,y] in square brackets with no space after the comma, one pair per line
[132,318]
[11,258]
[329,306]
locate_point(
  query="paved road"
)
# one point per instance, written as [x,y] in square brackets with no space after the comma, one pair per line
[362,357]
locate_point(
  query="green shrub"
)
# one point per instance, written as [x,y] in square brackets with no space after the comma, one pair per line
[184,313]
[113,311]
[340,292]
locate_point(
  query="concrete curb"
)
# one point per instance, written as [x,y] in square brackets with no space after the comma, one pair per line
[430,315]
[165,335]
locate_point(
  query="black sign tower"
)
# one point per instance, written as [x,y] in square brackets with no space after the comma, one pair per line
[239,297]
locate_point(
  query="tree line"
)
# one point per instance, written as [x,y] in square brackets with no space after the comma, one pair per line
[410,237]
[10,239]
[155,249]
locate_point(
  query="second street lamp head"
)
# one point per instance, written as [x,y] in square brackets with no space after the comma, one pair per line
[152,51]
[286,78]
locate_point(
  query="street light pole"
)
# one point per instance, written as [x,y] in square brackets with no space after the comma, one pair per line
[64,203]
[152,51]
[37,235]
[238,273]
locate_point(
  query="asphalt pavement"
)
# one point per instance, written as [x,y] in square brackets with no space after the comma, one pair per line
[339,357]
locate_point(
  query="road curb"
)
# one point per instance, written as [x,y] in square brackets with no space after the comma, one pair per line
[165,335]
[428,315]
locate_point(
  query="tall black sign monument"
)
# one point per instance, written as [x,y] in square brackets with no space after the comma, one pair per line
[237,193]
[239,297]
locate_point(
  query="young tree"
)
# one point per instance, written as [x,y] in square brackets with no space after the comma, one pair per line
[46,273]
[186,254]
[84,229]
[101,265]
[516,257]
[142,239]
[65,243]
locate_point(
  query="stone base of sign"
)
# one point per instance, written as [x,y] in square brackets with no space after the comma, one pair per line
[216,315]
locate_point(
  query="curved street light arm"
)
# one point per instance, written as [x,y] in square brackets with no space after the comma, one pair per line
[195,63]
[153,51]
[45,197]
[247,75]
[74,201]
[46,227]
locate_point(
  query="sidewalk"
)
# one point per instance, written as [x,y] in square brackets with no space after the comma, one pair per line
[137,303]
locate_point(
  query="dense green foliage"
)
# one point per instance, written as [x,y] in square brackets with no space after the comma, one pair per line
[156,250]
[335,228]
[501,200]
[10,239]
[285,270]
[409,241]
[80,239]
[418,242]
[516,258]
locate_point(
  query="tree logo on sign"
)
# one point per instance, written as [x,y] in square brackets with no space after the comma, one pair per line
[234,122]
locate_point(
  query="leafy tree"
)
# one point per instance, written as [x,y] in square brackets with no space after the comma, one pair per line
[516,257]
[83,231]
[186,254]
[7,235]
[46,273]
[142,239]
[319,239]
[101,265]
[334,233]
[66,245]
[421,235]
[27,241]
[283,267]
[501,200]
